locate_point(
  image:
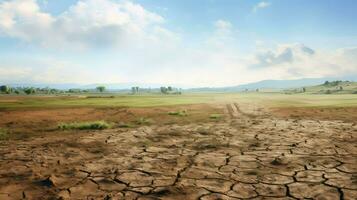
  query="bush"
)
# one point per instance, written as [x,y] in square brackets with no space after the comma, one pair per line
[215,116]
[96,125]
[3,134]
[143,121]
[178,113]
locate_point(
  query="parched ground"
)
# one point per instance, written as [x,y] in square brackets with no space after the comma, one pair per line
[251,154]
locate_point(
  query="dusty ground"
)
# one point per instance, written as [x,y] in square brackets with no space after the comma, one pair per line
[34,121]
[251,154]
[346,114]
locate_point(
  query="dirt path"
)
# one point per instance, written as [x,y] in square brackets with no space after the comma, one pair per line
[249,156]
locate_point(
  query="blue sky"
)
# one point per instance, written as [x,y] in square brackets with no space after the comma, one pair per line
[182,42]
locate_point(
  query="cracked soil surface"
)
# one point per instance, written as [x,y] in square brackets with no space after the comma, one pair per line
[250,155]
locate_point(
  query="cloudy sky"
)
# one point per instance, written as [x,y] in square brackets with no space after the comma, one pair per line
[183,42]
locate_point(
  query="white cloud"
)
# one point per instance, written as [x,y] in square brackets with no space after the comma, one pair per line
[23,19]
[86,24]
[203,66]
[298,61]
[282,55]
[261,5]
[151,52]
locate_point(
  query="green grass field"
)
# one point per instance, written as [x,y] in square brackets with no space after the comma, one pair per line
[268,99]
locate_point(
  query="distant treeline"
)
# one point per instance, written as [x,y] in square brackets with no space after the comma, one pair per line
[328,87]
[162,90]
[5,89]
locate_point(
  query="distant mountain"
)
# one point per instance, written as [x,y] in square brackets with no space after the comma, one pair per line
[265,84]
[331,87]
[273,84]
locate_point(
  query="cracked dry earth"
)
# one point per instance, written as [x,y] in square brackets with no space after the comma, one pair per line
[249,156]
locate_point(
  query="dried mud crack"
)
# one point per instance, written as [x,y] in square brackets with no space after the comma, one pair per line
[248,156]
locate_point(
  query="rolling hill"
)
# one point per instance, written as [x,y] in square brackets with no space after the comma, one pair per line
[329,87]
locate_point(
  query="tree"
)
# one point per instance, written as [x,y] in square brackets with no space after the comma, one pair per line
[341,88]
[101,88]
[135,90]
[29,91]
[53,91]
[74,90]
[303,89]
[163,90]
[5,89]
[169,88]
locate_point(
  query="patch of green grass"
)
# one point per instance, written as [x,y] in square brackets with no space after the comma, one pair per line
[133,101]
[103,96]
[3,134]
[96,125]
[215,116]
[178,113]
[144,121]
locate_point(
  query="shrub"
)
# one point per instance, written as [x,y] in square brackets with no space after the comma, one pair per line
[144,121]
[96,125]
[178,113]
[215,116]
[3,134]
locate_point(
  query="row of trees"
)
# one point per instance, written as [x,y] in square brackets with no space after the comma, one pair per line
[332,83]
[162,90]
[5,89]
[170,90]
[26,90]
